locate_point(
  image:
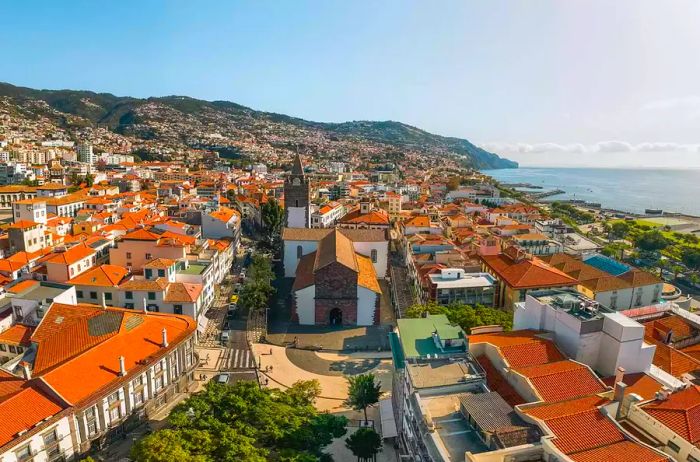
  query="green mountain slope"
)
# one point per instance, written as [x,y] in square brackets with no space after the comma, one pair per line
[176,118]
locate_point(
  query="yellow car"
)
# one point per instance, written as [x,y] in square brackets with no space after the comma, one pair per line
[234,299]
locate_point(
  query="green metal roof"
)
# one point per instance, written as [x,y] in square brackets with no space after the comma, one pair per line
[416,335]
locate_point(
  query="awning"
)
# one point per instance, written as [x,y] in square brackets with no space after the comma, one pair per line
[202,324]
[386,414]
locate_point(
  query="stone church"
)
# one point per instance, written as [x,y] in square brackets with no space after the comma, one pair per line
[335,285]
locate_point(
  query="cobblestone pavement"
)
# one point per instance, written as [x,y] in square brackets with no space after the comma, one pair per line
[402,294]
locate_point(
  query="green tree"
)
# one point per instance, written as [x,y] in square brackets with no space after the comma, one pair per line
[243,422]
[365,443]
[619,229]
[363,392]
[272,220]
[466,316]
[651,241]
[89,180]
[691,258]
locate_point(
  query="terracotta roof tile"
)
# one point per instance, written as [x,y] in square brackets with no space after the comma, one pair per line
[103,275]
[24,410]
[19,334]
[182,292]
[367,277]
[527,273]
[560,380]
[639,383]
[680,412]
[74,254]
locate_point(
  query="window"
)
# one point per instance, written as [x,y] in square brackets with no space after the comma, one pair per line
[129,306]
[161,273]
[178,309]
[673,446]
[151,295]
[373,255]
[50,438]
[128,294]
[300,251]
[79,293]
[113,398]
[71,271]
[115,413]
[13,349]
[93,295]
[24,453]
[128,255]
[138,398]
[692,459]
[3,347]
[148,273]
[108,296]
[296,203]
[148,256]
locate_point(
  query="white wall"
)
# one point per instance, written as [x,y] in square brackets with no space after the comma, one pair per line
[36,442]
[366,302]
[382,248]
[290,255]
[306,305]
[297,217]
[662,433]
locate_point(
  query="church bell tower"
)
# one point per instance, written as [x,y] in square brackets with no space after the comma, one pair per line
[297,197]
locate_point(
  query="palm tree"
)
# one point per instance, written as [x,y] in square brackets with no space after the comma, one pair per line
[365,443]
[363,392]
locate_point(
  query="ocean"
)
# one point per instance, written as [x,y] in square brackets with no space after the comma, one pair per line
[631,190]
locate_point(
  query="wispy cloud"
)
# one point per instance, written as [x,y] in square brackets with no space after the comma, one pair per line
[611,146]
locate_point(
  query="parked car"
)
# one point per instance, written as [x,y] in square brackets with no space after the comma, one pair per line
[222,378]
[233,299]
[225,337]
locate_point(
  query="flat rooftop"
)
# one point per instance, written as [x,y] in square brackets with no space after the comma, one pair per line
[465,280]
[571,302]
[443,372]
[452,431]
[194,268]
[41,291]
[416,336]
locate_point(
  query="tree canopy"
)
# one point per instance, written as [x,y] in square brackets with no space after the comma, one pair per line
[365,443]
[651,241]
[257,290]
[238,422]
[691,258]
[272,220]
[466,316]
[363,391]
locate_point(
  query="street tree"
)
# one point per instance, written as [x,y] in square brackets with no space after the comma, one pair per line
[242,421]
[363,392]
[272,219]
[364,444]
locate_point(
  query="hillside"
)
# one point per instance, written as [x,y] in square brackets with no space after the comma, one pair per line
[178,121]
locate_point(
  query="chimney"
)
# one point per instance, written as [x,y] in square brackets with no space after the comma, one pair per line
[104,302]
[26,372]
[164,343]
[145,309]
[122,367]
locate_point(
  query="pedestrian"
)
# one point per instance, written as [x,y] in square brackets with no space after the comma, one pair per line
[270,351]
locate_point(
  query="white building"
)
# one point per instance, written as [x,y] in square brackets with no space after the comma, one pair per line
[586,331]
[372,243]
[85,153]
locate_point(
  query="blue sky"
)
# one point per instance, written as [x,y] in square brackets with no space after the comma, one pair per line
[549,81]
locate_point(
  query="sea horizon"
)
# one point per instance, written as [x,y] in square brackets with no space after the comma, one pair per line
[629,189]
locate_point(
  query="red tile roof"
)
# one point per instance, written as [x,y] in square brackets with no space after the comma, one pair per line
[521,348]
[23,410]
[639,383]
[19,334]
[583,432]
[562,380]
[87,343]
[74,254]
[103,275]
[680,412]
[527,273]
